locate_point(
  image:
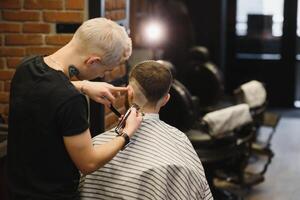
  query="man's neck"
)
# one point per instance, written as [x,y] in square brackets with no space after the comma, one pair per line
[62,59]
[149,110]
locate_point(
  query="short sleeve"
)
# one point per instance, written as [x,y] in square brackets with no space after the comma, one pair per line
[72,116]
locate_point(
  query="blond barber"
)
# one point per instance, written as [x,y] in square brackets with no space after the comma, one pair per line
[49,140]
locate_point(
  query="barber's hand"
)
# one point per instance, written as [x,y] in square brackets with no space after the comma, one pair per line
[101,92]
[133,122]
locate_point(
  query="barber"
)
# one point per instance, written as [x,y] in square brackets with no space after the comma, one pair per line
[49,140]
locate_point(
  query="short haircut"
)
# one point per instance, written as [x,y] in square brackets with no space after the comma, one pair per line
[100,35]
[154,78]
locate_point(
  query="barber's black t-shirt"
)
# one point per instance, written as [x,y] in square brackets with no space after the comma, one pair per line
[44,107]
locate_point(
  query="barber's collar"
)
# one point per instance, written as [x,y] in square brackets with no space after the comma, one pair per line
[151,116]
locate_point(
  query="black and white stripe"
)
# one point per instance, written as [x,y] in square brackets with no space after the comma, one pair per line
[159,163]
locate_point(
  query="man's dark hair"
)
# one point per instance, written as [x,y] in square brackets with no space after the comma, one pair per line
[154,78]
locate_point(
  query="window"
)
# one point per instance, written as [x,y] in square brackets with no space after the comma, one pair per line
[259,28]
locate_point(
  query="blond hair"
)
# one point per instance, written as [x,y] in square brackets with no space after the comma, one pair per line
[100,35]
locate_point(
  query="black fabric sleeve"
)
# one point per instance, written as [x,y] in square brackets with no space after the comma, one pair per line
[72,116]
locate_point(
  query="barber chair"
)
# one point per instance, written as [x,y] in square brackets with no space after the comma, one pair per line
[204,80]
[254,94]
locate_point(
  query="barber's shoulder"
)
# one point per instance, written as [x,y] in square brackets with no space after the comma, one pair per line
[22,67]
[28,58]
[25,62]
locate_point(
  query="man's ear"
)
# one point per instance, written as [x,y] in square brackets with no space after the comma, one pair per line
[93,60]
[130,93]
[165,99]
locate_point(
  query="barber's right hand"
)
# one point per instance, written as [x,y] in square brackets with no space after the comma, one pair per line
[133,122]
[102,92]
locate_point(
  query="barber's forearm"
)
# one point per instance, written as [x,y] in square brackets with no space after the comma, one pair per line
[103,153]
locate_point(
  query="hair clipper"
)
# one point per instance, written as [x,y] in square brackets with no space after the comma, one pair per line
[122,122]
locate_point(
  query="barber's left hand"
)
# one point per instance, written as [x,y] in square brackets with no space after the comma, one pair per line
[102,92]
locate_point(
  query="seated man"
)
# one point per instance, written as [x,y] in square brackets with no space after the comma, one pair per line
[159,162]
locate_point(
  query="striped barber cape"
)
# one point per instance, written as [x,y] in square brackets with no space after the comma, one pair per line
[159,163]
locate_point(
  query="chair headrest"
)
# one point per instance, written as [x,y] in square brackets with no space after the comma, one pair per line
[199,54]
[224,121]
[254,93]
